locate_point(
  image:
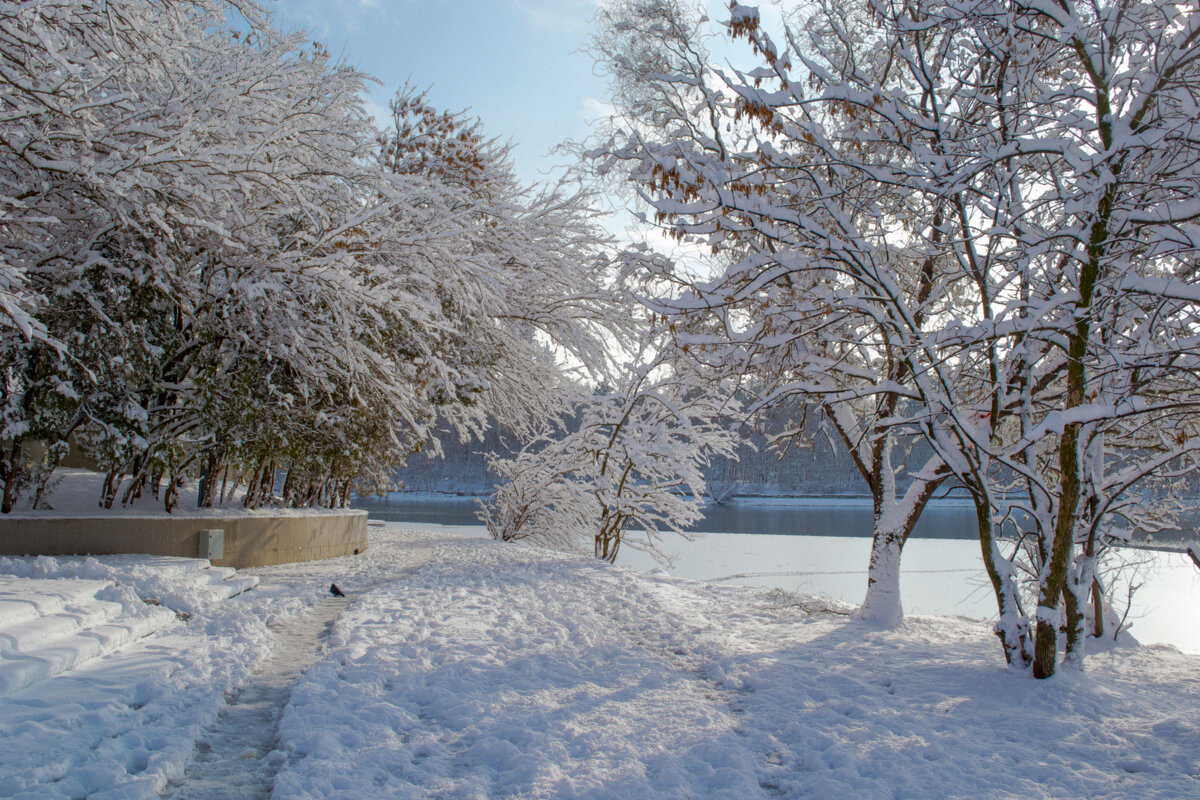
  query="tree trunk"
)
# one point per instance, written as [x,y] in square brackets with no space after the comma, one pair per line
[251,486]
[1080,586]
[1055,571]
[206,491]
[287,486]
[267,490]
[112,482]
[1074,604]
[892,522]
[1012,628]
[138,481]
[171,495]
[608,538]
[11,477]
[882,605]
[1097,609]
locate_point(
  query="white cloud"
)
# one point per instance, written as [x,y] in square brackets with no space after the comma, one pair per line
[322,17]
[378,111]
[557,16]
[594,110]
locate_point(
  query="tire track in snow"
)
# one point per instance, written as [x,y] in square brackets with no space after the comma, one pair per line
[236,758]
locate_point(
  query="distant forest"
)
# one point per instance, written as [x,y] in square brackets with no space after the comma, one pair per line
[810,465]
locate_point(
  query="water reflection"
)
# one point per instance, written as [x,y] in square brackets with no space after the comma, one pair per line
[948,519]
[400,507]
[848,517]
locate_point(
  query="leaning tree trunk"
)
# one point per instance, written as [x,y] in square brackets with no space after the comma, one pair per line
[893,522]
[112,483]
[1012,628]
[608,537]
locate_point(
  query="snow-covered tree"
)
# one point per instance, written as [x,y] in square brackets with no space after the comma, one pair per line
[630,469]
[1080,180]
[528,287]
[215,265]
[185,194]
[980,218]
[779,314]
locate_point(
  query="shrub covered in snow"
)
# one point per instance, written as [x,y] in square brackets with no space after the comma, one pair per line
[634,465]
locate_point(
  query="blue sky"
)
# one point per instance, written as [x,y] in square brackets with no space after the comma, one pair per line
[518,65]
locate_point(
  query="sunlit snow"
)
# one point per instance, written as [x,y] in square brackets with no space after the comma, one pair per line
[466,668]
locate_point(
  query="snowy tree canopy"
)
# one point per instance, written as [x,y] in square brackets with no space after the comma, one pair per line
[975,221]
[212,263]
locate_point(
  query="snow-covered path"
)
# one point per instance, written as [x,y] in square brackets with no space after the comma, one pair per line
[236,757]
[502,671]
[126,722]
[460,668]
[550,676]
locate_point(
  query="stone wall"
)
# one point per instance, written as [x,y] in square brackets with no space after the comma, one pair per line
[249,540]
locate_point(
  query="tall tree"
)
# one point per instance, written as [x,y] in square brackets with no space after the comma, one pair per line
[219,267]
[781,313]
[997,202]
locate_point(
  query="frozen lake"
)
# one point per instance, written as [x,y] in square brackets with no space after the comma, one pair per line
[821,547]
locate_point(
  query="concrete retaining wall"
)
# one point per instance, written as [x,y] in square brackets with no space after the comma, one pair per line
[249,541]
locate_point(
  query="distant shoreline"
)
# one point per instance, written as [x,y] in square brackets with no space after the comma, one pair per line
[758,499]
[1170,541]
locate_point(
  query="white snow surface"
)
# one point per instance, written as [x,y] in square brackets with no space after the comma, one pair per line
[503,671]
[465,668]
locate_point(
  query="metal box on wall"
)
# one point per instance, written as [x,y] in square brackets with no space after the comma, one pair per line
[212,544]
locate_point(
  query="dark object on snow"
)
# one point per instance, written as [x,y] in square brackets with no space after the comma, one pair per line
[335,591]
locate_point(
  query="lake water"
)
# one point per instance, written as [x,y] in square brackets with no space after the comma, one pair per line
[821,547]
[783,516]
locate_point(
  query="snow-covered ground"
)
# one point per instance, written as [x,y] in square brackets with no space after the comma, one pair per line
[463,668]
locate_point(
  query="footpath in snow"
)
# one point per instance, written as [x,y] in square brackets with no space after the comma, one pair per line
[463,668]
[122,676]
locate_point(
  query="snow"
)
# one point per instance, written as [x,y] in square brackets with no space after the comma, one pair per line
[459,667]
[50,628]
[236,756]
